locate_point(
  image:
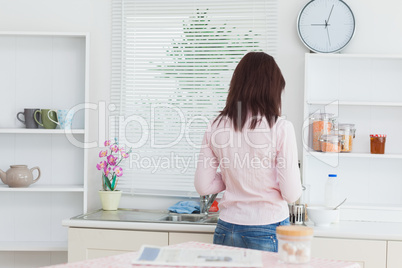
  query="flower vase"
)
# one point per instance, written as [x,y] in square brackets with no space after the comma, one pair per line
[110,199]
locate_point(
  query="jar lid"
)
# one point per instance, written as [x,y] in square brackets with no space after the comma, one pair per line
[331,137]
[346,126]
[321,116]
[292,230]
[378,135]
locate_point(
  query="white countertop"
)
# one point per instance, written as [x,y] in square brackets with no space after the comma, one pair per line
[343,229]
[144,226]
[361,230]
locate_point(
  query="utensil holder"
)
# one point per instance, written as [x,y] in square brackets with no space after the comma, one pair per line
[297,214]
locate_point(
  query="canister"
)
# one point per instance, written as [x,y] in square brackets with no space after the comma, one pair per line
[331,143]
[321,124]
[294,243]
[347,131]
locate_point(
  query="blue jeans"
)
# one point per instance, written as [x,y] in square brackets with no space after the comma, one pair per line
[261,237]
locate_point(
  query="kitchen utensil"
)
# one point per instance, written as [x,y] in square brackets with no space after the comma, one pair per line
[64,118]
[19,176]
[322,216]
[340,204]
[46,116]
[296,213]
[320,123]
[330,143]
[294,243]
[28,121]
[347,131]
[305,197]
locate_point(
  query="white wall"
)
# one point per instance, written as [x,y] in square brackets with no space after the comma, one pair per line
[91,16]
[378,25]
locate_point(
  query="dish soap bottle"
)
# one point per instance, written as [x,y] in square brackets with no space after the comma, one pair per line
[332,192]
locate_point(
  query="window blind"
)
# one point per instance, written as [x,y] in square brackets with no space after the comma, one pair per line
[172,62]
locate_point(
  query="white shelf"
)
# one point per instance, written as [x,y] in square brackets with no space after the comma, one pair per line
[33,222]
[356,56]
[44,188]
[354,155]
[33,246]
[365,90]
[67,34]
[372,207]
[355,103]
[40,131]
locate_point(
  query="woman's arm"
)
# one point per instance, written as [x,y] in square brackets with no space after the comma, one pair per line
[288,172]
[207,180]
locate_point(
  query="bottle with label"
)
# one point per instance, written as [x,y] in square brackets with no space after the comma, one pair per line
[332,192]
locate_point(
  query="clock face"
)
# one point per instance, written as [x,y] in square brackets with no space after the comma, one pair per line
[326,26]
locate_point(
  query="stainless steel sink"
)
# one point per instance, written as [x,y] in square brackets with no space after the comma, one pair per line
[184,217]
[191,218]
[212,220]
[143,215]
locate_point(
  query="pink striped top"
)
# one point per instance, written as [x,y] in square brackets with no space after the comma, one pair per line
[258,171]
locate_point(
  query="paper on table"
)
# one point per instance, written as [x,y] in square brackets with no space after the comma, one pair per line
[198,257]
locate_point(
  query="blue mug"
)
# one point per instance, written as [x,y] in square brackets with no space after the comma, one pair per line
[64,118]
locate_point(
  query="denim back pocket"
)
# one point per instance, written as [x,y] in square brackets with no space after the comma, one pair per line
[263,242]
[220,233]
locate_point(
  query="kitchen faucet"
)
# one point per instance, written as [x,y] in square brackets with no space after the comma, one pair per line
[206,203]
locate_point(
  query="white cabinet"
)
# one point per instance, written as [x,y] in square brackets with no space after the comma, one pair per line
[87,244]
[394,256]
[45,71]
[177,237]
[365,90]
[368,253]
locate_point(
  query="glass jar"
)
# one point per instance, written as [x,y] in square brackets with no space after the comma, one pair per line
[321,124]
[330,143]
[347,131]
[294,243]
[377,143]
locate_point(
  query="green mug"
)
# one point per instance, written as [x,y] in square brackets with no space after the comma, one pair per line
[48,116]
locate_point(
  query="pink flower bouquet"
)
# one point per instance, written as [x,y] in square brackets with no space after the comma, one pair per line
[111,171]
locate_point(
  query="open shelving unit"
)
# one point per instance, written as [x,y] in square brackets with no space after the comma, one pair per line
[33,246]
[45,71]
[365,90]
[44,188]
[40,131]
[356,103]
[354,155]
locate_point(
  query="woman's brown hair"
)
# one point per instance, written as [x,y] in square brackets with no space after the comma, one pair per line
[255,89]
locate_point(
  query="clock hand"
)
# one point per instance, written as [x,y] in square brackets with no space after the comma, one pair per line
[320,24]
[329,39]
[329,16]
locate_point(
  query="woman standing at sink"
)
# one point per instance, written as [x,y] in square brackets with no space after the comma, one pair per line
[256,151]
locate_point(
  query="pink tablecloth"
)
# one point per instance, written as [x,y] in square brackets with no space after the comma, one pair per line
[269,259]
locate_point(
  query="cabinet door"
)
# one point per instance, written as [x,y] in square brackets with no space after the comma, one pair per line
[394,257]
[177,238]
[84,244]
[368,253]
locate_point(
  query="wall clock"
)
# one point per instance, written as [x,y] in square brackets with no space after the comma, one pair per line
[326,26]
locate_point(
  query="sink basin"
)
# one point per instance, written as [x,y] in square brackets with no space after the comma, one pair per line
[213,220]
[183,218]
[191,218]
[143,215]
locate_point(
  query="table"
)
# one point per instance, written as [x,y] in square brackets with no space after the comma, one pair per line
[269,259]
